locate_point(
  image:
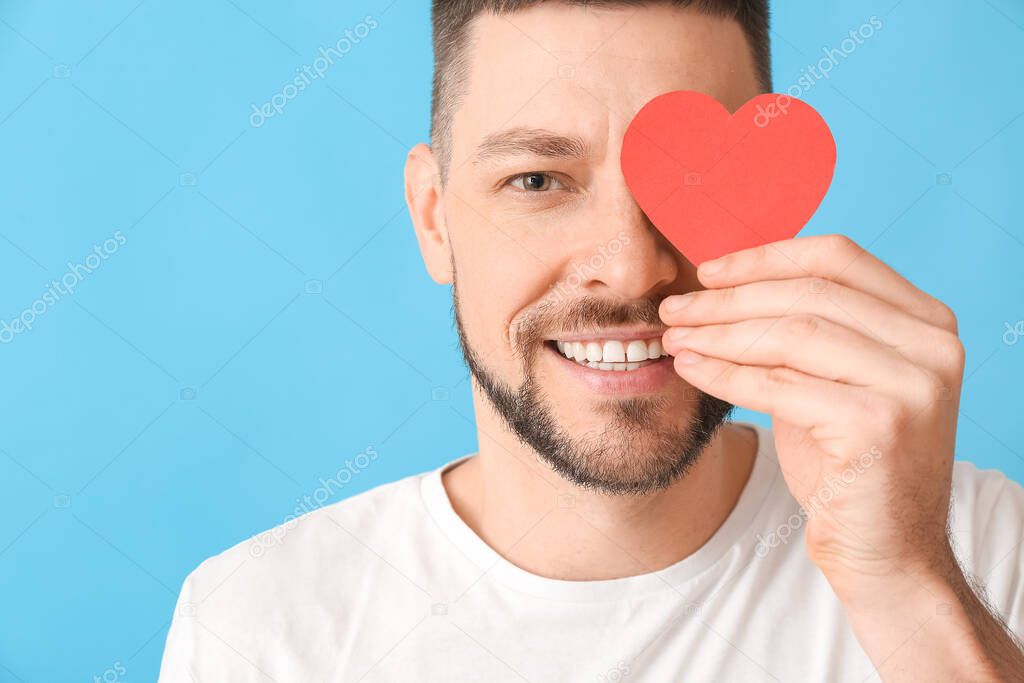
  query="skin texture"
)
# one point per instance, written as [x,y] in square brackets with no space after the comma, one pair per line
[846,356]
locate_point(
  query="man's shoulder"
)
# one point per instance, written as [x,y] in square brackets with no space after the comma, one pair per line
[341,539]
[329,580]
[980,492]
[987,522]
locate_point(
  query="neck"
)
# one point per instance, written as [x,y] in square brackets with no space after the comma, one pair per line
[542,523]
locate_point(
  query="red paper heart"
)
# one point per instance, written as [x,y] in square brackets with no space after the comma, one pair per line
[714,183]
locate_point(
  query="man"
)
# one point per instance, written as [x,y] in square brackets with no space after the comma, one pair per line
[613,525]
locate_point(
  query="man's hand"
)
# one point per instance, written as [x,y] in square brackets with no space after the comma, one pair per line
[861,373]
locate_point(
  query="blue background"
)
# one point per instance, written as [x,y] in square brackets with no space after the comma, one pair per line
[269,316]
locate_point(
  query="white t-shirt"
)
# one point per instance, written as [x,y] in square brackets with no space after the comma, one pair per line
[391,585]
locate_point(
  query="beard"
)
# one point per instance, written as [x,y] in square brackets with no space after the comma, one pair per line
[641,449]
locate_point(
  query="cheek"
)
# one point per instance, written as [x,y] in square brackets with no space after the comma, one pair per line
[497,280]
[485,316]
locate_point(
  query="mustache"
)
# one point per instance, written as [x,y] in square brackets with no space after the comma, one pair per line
[583,314]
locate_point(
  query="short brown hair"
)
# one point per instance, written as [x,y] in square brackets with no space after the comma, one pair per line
[451,19]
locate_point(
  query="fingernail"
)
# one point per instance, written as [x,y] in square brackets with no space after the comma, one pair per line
[676,303]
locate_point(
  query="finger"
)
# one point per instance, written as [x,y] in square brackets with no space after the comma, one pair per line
[831,257]
[919,342]
[812,345]
[830,408]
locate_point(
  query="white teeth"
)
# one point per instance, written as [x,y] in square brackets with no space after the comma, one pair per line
[612,355]
[636,351]
[614,352]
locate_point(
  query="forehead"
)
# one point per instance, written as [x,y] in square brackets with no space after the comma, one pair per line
[586,71]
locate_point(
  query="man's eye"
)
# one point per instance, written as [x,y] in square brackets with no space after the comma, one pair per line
[535,182]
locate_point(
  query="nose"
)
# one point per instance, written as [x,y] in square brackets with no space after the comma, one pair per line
[637,261]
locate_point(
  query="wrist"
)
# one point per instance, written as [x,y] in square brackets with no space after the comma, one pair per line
[922,614]
[923,576]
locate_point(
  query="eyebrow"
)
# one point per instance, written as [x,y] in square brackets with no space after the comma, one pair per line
[532,141]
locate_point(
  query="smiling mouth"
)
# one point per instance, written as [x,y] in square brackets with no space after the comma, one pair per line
[611,355]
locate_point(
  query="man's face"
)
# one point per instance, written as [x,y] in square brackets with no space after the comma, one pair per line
[552,256]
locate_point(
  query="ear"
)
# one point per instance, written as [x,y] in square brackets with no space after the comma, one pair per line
[424,196]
